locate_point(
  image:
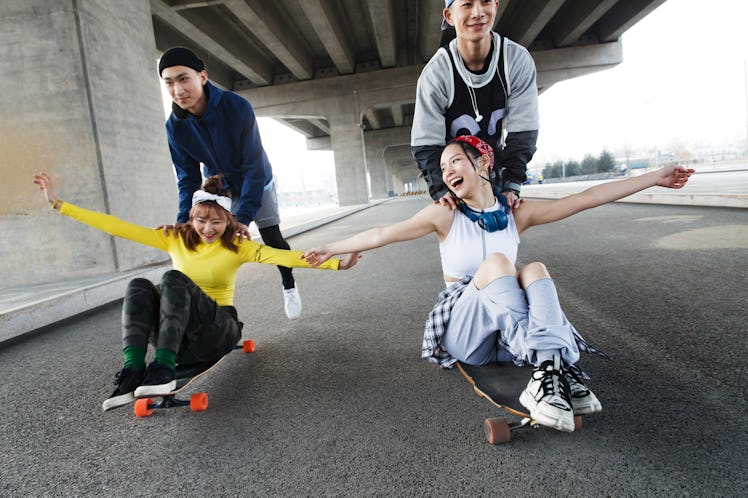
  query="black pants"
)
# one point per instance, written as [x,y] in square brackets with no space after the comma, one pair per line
[179,316]
[272,237]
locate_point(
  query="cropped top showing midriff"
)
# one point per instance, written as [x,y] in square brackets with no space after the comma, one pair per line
[467,245]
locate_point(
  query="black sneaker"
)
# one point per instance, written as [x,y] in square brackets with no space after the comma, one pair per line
[583,400]
[547,397]
[159,380]
[126,380]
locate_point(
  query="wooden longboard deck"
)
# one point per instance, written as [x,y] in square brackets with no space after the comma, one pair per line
[500,383]
[187,374]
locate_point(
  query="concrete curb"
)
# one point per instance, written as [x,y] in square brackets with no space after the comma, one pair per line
[675,199]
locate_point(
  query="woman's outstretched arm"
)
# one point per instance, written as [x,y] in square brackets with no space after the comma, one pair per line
[104,222]
[422,223]
[537,213]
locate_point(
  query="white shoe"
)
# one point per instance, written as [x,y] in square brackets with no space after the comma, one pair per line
[547,397]
[583,400]
[292,303]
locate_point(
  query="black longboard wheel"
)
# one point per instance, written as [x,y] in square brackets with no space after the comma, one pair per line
[497,430]
[199,402]
[143,407]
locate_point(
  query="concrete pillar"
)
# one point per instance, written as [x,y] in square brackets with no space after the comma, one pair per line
[375,143]
[376,167]
[81,100]
[347,148]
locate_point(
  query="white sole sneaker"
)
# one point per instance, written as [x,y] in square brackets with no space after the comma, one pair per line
[546,397]
[587,405]
[117,401]
[547,415]
[292,303]
[157,390]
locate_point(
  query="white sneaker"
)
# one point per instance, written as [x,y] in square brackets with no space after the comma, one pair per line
[547,397]
[292,303]
[583,400]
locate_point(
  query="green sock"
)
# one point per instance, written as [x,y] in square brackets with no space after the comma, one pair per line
[166,357]
[134,357]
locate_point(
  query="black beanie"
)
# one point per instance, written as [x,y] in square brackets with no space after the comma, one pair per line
[180,56]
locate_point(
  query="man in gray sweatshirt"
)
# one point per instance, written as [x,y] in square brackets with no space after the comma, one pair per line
[481,84]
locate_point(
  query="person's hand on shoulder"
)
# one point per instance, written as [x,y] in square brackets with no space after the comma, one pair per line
[512,200]
[242,231]
[171,229]
[447,200]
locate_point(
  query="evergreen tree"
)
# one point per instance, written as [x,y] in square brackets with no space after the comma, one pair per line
[606,163]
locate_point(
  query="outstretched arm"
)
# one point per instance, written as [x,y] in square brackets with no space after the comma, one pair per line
[44,182]
[538,213]
[104,222]
[422,223]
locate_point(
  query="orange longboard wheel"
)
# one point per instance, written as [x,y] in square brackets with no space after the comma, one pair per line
[199,402]
[143,407]
[248,346]
[497,430]
[577,422]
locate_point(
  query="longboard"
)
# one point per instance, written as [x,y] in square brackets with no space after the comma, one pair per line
[501,384]
[185,376]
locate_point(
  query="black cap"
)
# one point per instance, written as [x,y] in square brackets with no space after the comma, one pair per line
[180,56]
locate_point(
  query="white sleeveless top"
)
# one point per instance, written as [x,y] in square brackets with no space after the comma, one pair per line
[467,244]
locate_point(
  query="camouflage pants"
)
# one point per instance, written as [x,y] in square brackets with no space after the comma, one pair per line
[177,315]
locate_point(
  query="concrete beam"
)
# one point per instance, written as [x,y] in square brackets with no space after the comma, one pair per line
[623,16]
[319,143]
[372,118]
[382,20]
[370,89]
[566,63]
[580,16]
[266,24]
[397,114]
[324,18]
[429,35]
[531,25]
[252,67]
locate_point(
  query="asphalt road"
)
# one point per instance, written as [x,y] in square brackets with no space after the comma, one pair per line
[339,403]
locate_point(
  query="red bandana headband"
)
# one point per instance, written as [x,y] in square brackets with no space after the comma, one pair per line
[476,143]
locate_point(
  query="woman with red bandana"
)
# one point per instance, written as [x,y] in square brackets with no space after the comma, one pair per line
[489,310]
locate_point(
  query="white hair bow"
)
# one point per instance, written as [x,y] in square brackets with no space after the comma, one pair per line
[203,196]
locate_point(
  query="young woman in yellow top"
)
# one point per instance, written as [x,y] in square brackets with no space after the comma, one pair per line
[189,316]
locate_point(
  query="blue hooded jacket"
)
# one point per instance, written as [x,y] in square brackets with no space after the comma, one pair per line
[225,139]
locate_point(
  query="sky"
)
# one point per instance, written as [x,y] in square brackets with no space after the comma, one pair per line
[681,84]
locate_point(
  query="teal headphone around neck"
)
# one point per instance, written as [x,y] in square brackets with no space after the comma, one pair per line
[491,221]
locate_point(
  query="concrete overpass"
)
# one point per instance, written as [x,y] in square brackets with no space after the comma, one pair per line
[82,98]
[339,71]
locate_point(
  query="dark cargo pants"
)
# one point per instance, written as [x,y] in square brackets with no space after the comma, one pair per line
[177,315]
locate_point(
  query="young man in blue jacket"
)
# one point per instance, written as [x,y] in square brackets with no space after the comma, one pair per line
[217,130]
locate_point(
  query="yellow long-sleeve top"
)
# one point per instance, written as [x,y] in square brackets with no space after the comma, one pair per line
[211,266]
